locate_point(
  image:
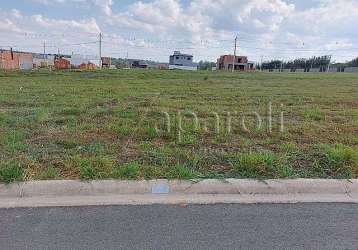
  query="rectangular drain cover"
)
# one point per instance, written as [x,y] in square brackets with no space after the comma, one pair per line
[160,189]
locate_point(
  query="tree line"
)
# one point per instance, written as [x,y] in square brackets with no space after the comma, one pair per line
[353,63]
[321,62]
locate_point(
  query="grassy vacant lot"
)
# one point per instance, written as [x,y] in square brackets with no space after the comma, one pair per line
[96,125]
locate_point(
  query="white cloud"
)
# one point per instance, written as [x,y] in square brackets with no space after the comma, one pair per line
[88,25]
[16,13]
[104,5]
[8,25]
[275,28]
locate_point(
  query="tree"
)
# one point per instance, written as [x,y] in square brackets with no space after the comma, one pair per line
[321,62]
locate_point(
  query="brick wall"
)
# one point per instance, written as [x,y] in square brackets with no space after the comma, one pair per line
[8,60]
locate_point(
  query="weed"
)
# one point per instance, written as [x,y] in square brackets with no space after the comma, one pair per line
[313,114]
[95,148]
[3,118]
[150,172]
[93,167]
[128,171]
[258,164]
[14,140]
[41,115]
[122,130]
[71,111]
[10,172]
[69,143]
[50,173]
[180,172]
[150,133]
[288,148]
[340,161]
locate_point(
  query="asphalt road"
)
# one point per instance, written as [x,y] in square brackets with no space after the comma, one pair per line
[300,226]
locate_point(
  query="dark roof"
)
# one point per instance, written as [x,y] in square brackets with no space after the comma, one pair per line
[180,54]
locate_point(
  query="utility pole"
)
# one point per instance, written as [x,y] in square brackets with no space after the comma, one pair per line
[100,50]
[234,59]
[261,63]
[45,56]
[44,49]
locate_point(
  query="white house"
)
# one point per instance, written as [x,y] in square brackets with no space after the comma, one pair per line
[182,61]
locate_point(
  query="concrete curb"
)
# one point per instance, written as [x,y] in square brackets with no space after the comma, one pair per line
[111,192]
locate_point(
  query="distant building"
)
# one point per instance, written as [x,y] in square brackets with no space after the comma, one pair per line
[78,60]
[106,62]
[182,61]
[62,63]
[240,63]
[25,61]
[43,61]
[139,64]
[88,66]
[10,60]
[162,66]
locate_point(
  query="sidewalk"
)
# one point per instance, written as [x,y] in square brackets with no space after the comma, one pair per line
[111,192]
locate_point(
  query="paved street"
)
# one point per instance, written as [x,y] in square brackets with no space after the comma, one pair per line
[300,226]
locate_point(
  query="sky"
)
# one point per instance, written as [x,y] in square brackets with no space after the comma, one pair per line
[153,29]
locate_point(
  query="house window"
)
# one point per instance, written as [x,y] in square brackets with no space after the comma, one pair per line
[189,59]
[177,58]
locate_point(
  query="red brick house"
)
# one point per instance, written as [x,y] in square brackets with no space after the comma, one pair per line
[62,63]
[241,63]
[10,60]
[88,66]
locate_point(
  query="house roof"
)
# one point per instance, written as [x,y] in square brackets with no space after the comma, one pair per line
[177,53]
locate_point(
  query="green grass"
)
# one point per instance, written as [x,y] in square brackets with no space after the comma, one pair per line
[129,171]
[313,114]
[259,165]
[10,172]
[49,173]
[102,124]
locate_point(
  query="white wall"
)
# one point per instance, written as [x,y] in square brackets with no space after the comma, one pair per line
[50,61]
[183,67]
[25,63]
